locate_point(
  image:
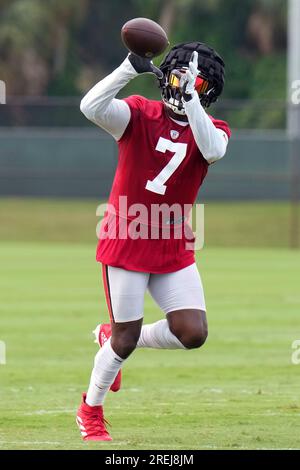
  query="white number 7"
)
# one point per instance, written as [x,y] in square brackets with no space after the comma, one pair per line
[158,184]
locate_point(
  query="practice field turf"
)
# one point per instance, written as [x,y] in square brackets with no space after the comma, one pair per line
[239,391]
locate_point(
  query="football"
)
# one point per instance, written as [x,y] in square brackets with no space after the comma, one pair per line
[144,37]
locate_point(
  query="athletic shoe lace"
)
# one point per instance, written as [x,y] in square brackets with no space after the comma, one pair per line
[96,424]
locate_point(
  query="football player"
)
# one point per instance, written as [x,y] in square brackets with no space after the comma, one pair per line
[165,149]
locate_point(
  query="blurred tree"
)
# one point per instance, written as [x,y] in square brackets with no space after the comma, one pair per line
[35,38]
[61,47]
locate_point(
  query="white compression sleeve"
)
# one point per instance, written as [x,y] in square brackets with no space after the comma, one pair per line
[106,366]
[100,106]
[158,335]
[212,142]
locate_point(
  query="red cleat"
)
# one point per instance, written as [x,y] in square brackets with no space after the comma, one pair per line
[102,334]
[91,422]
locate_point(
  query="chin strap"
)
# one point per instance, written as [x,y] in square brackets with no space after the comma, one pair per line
[177,108]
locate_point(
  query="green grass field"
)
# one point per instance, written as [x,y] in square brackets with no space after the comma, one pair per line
[239,391]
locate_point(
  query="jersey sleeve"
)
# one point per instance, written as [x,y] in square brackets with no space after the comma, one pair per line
[135,102]
[223,125]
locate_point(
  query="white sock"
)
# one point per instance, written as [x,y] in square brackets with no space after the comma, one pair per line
[106,366]
[158,335]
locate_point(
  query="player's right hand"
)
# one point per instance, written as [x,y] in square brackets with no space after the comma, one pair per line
[142,65]
[188,80]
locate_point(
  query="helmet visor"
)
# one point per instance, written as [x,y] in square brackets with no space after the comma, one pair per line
[201,85]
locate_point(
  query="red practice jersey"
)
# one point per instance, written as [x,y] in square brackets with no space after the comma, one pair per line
[159,163]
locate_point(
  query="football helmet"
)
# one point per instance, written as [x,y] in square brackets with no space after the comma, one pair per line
[209,83]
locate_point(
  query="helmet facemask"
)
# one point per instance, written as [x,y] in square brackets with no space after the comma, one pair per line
[171,90]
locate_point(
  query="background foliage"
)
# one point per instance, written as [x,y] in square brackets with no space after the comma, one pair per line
[61,48]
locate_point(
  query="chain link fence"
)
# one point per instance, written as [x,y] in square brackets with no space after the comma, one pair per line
[64,112]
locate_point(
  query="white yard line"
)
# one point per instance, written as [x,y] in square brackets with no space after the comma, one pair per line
[47,412]
[27,443]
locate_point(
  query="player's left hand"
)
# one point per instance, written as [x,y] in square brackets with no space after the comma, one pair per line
[188,80]
[143,65]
